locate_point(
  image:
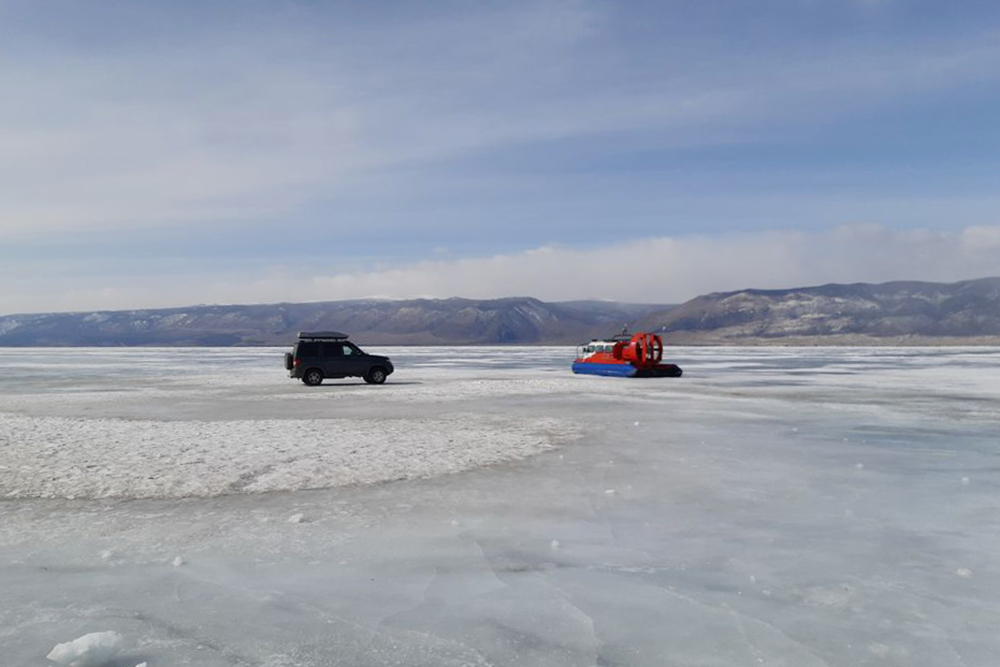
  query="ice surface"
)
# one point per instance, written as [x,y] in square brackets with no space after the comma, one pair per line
[91,650]
[772,507]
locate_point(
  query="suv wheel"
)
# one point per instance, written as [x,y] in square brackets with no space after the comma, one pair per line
[376,375]
[313,377]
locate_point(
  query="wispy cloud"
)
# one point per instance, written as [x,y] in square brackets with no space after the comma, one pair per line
[256,118]
[155,154]
[676,269]
[657,270]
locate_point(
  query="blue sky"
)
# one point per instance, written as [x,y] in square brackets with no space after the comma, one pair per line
[161,154]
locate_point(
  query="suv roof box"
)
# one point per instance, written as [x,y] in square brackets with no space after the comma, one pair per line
[324,335]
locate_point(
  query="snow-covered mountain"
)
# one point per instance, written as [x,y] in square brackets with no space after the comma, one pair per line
[889,313]
[893,313]
[378,322]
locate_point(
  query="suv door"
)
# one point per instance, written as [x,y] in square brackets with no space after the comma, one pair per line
[355,361]
[332,359]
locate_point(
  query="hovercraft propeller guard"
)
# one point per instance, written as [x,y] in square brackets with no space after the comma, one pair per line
[638,355]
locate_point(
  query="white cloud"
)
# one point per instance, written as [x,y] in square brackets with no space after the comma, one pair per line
[981,239]
[655,270]
[676,269]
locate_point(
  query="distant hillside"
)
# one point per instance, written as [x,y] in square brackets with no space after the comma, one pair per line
[897,313]
[376,322]
[966,312]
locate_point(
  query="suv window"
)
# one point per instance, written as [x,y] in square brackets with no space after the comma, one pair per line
[308,350]
[331,349]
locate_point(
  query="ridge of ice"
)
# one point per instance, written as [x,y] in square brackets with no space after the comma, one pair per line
[90,650]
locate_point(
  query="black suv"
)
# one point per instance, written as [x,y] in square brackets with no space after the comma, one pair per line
[328,354]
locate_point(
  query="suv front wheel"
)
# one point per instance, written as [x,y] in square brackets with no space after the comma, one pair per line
[376,375]
[313,377]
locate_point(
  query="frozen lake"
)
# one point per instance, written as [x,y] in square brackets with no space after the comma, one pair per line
[486,507]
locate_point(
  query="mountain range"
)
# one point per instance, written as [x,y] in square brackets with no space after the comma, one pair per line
[896,313]
[376,322]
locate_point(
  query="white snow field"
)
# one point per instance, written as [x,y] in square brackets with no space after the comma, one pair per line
[783,506]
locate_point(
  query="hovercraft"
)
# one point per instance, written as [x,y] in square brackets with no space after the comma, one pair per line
[625,355]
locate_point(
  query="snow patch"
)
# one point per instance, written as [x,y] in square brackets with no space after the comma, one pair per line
[115,458]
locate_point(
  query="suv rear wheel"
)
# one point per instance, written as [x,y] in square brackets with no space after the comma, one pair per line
[376,375]
[313,377]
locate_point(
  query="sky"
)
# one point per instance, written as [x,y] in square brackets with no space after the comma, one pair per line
[162,154]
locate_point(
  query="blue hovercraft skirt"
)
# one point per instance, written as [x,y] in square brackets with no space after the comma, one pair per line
[615,370]
[625,370]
